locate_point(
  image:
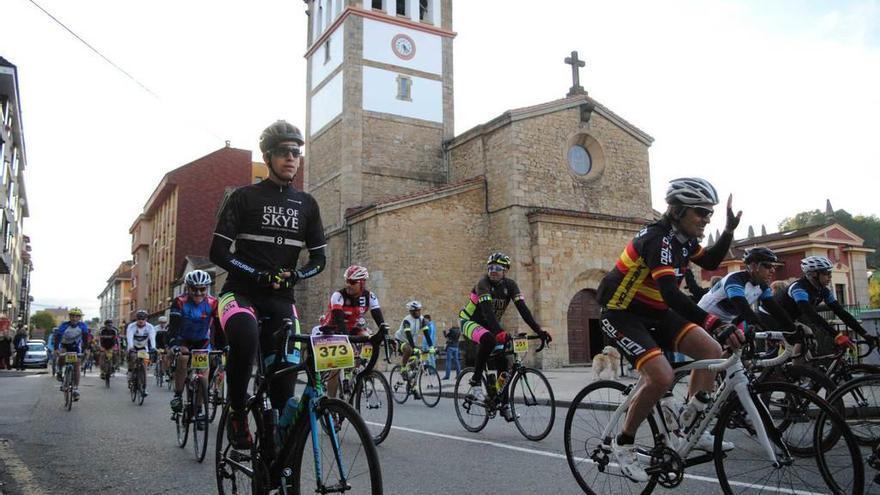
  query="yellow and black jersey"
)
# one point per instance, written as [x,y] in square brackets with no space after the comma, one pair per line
[499,294]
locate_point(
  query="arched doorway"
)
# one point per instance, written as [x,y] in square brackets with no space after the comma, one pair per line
[585,337]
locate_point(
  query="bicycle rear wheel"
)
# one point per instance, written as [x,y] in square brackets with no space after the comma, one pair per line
[532,404]
[181,423]
[234,469]
[587,450]
[372,399]
[158,372]
[106,370]
[399,385]
[835,467]
[471,409]
[346,458]
[200,420]
[430,386]
[141,383]
[68,389]
[860,405]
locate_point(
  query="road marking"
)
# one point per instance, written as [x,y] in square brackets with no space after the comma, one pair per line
[555,455]
[18,470]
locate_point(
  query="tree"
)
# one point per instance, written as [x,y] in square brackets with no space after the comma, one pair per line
[874,290]
[43,320]
[866,227]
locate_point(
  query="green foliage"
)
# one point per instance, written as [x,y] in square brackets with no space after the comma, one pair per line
[874,290]
[866,227]
[43,320]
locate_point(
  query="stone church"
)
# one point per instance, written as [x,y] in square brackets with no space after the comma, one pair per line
[560,186]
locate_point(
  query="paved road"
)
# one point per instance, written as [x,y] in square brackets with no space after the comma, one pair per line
[108,445]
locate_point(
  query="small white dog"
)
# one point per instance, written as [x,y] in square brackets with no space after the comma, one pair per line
[606,365]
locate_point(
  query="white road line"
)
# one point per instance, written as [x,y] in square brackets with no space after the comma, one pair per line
[555,455]
[18,470]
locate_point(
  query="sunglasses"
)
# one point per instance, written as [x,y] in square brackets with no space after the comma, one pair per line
[198,290]
[282,151]
[497,269]
[703,212]
[824,272]
[768,266]
[142,319]
[353,282]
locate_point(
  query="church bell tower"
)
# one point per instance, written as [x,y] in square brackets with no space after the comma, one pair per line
[379,101]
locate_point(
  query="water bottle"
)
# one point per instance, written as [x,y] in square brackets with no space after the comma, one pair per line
[696,405]
[293,355]
[490,383]
[502,379]
[288,416]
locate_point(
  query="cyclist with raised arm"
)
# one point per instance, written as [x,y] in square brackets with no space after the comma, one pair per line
[644,311]
[804,296]
[481,317]
[270,223]
[108,340]
[141,336]
[193,314]
[404,335]
[347,311]
[71,336]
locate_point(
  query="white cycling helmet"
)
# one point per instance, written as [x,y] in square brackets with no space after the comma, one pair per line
[413,305]
[356,272]
[197,278]
[815,264]
[163,319]
[691,191]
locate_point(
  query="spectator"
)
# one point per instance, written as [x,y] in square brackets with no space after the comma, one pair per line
[5,343]
[432,332]
[20,343]
[452,356]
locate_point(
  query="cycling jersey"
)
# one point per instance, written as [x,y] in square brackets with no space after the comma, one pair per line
[499,294]
[71,335]
[802,290]
[410,324]
[269,224]
[109,337]
[737,284]
[190,321]
[138,337]
[354,308]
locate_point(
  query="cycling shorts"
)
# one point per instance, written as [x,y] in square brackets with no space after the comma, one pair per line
[72,347]
[641,338]
[193,344]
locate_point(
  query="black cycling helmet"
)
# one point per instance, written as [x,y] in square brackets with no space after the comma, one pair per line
[499,258]
[108,323]
[279,132]
[760,255]
[141,314]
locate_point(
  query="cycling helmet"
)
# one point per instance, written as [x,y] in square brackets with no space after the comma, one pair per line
[141,314]
[815,264]
[760,255]
[279,132]
[163,319]
[356,272]
[197,278]
[691,191]
[108,323]
[75,312]
[499,258]
[413,305]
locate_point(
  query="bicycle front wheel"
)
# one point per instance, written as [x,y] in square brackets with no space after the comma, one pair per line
[470,402]
[835,467]
[200,421]
[429,385]
[399,385]
[346,459]
[238,472]
[181,423]
[68,389]
[588,449]
[372,399]
[532,404]
[141,383]
[860,404]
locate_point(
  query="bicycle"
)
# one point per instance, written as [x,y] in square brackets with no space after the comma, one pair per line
[137,385]
[217,387]
[86,363]
[597,412]
[342,446]
[370,393]
[159,372]
[416,373]
[107,367]
[524,390]
[195,406]
[859,401]
[70,359]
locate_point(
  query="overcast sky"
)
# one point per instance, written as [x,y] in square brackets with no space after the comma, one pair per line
[776,102]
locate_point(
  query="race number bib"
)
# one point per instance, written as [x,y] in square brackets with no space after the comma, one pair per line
[424,356]
[520,345]
[199,360]
[70,357]
[332,352]
[367,351]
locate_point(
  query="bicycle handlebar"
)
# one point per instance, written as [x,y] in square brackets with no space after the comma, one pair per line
[733,359]
[286,335]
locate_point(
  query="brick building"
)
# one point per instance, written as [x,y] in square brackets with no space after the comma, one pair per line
[422,208]
[846,250]
[179,219]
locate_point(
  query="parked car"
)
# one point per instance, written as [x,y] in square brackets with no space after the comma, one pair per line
[36,355]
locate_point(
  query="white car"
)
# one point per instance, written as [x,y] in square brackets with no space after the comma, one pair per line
[36,355]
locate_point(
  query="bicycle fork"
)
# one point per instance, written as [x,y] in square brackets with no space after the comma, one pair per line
[316,444]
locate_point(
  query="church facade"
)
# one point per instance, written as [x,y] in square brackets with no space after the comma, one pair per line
[561,186]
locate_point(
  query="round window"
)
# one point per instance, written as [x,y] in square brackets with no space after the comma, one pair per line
[579,160]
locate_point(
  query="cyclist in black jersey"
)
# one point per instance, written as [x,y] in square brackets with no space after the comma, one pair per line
[108,340]
[644,310]
[270,223]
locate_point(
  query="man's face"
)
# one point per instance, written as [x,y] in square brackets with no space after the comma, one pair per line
[75,319]
[355,287]
[762,272]
[415,313]
[496,272]
[823,278]
[141,321]
[695,219]
[197,293]
[285,159]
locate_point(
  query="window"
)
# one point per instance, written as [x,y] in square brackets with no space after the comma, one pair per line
[327,51]
[584,156]
[840,293]
[377,5]
[401,7]
[404,88]
[579,160]
[425,13]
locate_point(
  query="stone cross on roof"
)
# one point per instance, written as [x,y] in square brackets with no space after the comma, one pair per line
[576,64]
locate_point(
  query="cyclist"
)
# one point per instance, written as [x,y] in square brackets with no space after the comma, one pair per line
[642,292]
[69,337]
[480,318]
[404,334]
[108,340]
[347,311]
[162,341]
[269,222]
[139,334]
[193,314]
[806,294]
